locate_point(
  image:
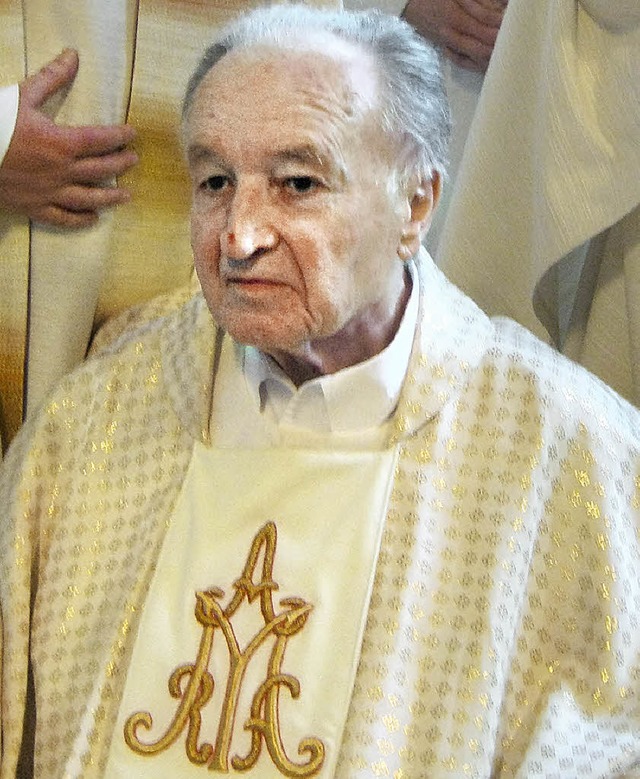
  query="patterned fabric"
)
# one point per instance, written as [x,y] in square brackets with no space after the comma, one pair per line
[503,635]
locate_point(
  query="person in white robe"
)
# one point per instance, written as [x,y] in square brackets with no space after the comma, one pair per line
[324,518]
[544,221]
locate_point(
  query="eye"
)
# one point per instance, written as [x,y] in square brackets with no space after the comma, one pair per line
[215,183]
[302,185]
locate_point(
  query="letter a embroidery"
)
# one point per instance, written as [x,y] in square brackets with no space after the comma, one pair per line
[193,684]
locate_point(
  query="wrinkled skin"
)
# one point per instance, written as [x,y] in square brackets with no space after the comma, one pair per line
[296,230]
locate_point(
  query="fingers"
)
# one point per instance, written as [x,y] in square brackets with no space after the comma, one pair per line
[59,217]
[469,26]
[488,12]
[466,29]
[55,75]
[470,49]
[90,141]
[85,198]
[55,174]
[79,207]
[94,170]
[464,62]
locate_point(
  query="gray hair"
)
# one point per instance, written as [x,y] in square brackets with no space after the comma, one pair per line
[414,108]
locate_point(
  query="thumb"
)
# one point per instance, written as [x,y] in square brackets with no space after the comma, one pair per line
[55,75]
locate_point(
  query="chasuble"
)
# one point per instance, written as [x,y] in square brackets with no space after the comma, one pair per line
[491,626]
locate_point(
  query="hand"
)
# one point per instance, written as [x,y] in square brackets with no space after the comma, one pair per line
[465,29]
[54,174]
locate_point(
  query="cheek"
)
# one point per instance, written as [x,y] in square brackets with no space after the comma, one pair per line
[202,232]
[205,245]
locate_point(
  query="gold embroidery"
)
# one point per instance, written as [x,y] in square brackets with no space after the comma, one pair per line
[193,684]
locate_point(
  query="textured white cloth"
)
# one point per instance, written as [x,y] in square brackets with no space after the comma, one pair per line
[552,161]
[331,501]
[9,97]
[502,637]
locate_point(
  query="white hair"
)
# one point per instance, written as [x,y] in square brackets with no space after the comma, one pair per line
[414,110]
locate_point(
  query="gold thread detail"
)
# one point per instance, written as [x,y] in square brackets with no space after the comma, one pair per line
[193,684]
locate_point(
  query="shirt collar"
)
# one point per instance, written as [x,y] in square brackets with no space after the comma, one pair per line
[452,337]
[354,399]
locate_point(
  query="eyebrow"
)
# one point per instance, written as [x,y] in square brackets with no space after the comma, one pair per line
[197,152]
[307,154]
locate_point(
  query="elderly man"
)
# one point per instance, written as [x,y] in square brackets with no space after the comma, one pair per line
[325,519]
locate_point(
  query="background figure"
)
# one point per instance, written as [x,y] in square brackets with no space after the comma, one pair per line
[544,222]
[53,174]
[58,286]
[466,30]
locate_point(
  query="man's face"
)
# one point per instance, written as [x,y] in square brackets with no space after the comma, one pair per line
[294,225]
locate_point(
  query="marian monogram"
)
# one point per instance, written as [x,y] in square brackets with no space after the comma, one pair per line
[193,684]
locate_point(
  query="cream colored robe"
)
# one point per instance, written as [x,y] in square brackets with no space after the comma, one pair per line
[552,162]
[503,636]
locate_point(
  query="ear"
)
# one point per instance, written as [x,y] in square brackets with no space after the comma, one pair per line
[423,198]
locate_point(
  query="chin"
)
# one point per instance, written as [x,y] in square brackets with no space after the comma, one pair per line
[267,328]
[266,339]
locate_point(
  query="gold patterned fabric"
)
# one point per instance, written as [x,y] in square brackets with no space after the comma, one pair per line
[503,633]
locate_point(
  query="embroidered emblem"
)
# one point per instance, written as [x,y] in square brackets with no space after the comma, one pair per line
[193,684]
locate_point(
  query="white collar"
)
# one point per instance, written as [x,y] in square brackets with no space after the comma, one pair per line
[355,399]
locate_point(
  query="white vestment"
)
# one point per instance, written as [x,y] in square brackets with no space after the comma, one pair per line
[502,635]
[545,218]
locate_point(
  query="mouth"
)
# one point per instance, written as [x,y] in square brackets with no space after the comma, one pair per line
[242,282]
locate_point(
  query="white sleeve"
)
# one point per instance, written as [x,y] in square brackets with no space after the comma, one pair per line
[395,7]
[618,16]
[8,113]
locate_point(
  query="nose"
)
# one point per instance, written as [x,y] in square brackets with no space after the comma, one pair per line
[249,230]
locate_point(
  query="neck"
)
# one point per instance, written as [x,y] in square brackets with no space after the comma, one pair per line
[360,339]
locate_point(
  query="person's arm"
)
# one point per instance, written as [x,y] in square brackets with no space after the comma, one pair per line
[59,175]
[466,29]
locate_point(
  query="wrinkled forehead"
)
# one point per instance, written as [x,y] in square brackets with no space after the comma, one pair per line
[321,71]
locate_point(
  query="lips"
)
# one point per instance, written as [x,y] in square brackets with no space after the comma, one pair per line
[252,282]
[255,282]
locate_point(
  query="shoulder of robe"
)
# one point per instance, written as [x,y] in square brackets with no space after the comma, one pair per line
[120,383]
[128,323]
[570,397]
